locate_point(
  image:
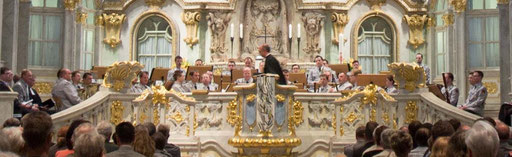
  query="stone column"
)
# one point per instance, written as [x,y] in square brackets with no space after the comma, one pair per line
[1,19]
[22,33]
[69,39]
[10,35]
[504,30]
[459,56]
[510,44]
[79,33]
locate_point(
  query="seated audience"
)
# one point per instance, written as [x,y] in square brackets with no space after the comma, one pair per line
[143,143]
[13,135]
[390,85]
[125,135]
[369,140]
[286,74]
[386,143]
[160,142]
[355,66]
[413,127]
[179,83]
[401,143]
[76,78]
[421,137]
[37,133]
[440,147]
[64,90]
[295,68]
[231,66]
[6,77]
[69,135]
[440,129]
[343,83]
[504,134]
[455,123]
[199,62]
[482,140]
[206,83]
[24,89]
[89,145]
[5,146]
[105,129]
[453,92]
[169,147]
[151,128]
[457,145]
[11,122]
[247,77]
[194,80]
[178,60]
[377,147]
[324,86]
[61,141]
[360,141]
[330,77]
[143,83]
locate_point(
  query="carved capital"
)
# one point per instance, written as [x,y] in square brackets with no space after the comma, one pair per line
[448,19]
[376,4]
[113,23]
[431,22]
[70,4]
[459,5]
[416,23]
[408,76]
[503,1]
[191,20]
[339,21]
[155,3]
[120,74]
[81,17]
[98,20]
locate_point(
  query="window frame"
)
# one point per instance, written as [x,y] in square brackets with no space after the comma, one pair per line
[484,14]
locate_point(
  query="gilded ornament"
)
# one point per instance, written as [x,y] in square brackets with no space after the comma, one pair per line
[416,23]
[182,96]
[191,20]
[195,124]
[341,122]
[370,94]
[233,116]
[448,19]
[43,87]
[81,17]
[492,87]
[431,22]
[280,98]
[177,117]
[187,133]
[142,118]
[98,20]
[339,21]
[410,111]
[116,112]
[143,96]
[373,113]
[156,116]
[351,117]
[251,97]
[386,96]
[113,23]
[120,74]
[334,122]
[264,142]
[409,76]
[395,124]
[154,3]
[503,2]
[159,95]
[459,5]
[297,113]
[385,117]
[376,4]
[70,4]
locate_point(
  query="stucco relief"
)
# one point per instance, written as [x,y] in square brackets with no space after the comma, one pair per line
[176,116]
[218,24]
[209,115]
[320,115]
[313,23]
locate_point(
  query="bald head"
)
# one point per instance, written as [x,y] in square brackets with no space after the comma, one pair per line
[503,131]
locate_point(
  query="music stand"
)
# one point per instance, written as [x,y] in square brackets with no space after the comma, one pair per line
[99,71]
[200,69]
[239,73]
[436,90]
[159,74]
[218,79]
[298,78]
[377,79]
[339,68]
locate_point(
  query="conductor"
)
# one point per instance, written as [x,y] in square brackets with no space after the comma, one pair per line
[271,63]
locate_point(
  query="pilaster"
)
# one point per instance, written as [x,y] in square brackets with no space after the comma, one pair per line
[457,64]
[22,33]
[69,39]
[504,30]
[9,33]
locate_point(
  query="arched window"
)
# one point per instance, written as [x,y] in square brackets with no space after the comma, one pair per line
[375,44]
[154,43]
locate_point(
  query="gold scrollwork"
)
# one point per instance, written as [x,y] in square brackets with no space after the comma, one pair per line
[280,98]
[233,116]
[342,131]
[159,95]
[156,115]
[502,1]
[376,4]
[154,3]
[98,21]
[448,19]
[459,5]
[250,97]
[351,117]
[385,117]
[43,87]
[492,87]
[264,142]
[410,111]
[143,95]
[431,22]
[395,124]
[373,113]
[113,24]
[334,123]
[416,23]
[370,94]
[177,117]
[120,74]
[182,96]
[116,112]
[386,96]
[81,17]
[70,4]
[195,124]
[191,20]
[412,75]
[339,21]
[297,113]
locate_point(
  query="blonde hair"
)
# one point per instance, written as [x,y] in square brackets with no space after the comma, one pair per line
[143,143]
[440,147]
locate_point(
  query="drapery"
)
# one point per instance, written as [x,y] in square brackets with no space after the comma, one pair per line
[154,49]
[374,53]
[45,38]
[483,41]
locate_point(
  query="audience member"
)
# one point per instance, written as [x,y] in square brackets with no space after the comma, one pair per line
[504,134]
[37,133]
[89,88]
[69,135]
[194,80]
[355,66]
[421,138]
[179,83]
[61,141]
[440,147]
[385,138]
[64,90]
[343,83]
[160,142]
[457,146]
[5,79]
[24,87]
[413,127]
[482,140]
[169,147]
[105,129]
[377,147]
[453,92]
[323,85]
[89,145]
[390,85]
[12,122]
[455,123]
[143,83]
[151,128]
[475,102]
[5,146]
[143,143]
[401,143]
[286,74]
[247,73]
[368,133]
[353,79]
[440,129]
[125,135]
[249,62]
[178,61]
[360,141]
[490,120]
[16,142]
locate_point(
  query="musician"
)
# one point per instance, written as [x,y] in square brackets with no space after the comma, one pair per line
[199,62]
[295,68]
[332,78]
[355,66]
[179,84]
[324,86]
[353,79]
[475,103]
[249,62]
[314,72]
[64,90]
[178,67]
[286,74]
[343,83]
[24,89]
[206,83]
[76,78]
[247,77]
[89,88]
[453,92]
[419,61]
[143,83]
[194,81]
[390,85]
[231,66]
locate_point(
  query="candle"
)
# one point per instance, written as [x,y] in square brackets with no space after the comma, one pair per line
[232,30]
[290,31]
[298,30]
[241,31]
[340,40]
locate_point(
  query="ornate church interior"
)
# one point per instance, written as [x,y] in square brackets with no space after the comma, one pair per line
[204,68]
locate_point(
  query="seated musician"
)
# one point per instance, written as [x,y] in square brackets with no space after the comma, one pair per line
[353,79]
[249,62]
[231,66]
[295,68]
[355,66]
[206,83]
[329,75]
[178,67]
[247,77]
[89,88]
[343,83]
[76,78]
[199,62]
[453,92]
[286,74]
[314,72]
[261,66]
[179,83]
[324,86]
[143,83]
[194,81]
[333,73]
[390,85]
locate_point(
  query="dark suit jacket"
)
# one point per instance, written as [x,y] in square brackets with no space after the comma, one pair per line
[272,66]
[4,87]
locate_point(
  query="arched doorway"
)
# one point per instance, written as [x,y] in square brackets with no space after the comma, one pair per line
[375,44]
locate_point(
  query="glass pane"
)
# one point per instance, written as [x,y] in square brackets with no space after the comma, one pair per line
[35,29]
[491,4]
[441,5]
[475,27]
[475,56]
[90,18]
[37,3]
[53,27]
[439,20]
[89,40]
[88,61]
[440,47]
[441,67]
[477,4]
[52,3]
[34,51]
[163,62]
[492,29]
[492,54]
[52,54]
